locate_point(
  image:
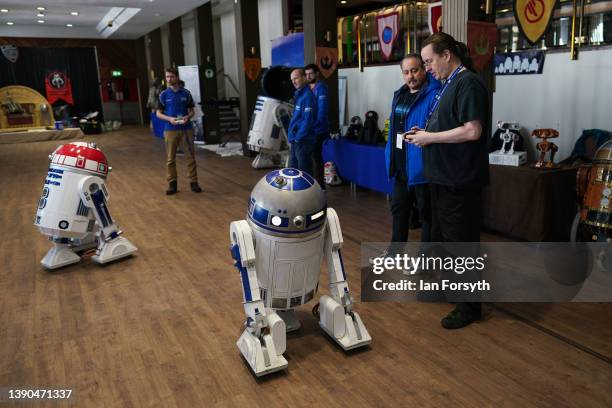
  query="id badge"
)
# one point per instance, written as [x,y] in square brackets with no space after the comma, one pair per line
[399,142]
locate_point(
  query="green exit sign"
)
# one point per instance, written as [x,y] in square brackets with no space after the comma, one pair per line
[117,73]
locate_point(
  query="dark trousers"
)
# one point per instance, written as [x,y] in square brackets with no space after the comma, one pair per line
[455,217]
[317,158]
[402,200]
[301,155]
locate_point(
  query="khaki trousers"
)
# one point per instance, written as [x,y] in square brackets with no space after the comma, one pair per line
[183,138]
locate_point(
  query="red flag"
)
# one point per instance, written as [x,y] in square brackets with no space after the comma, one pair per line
[481,40]
[434,14]
[58,86]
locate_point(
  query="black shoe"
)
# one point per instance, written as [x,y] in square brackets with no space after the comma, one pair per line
[457,319]
[171,188]
[195,187]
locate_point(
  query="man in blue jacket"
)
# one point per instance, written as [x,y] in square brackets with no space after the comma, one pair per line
[301,132]
[321,125]
[411,104]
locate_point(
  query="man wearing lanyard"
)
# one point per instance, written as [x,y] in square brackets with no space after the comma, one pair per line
[455,152]
[410,106]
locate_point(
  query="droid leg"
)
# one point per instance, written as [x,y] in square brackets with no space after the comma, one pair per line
[60,255]
[264,339]
[263,161]
[337,317]
[111,246]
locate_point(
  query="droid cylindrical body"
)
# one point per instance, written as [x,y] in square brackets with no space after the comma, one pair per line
[61,212]
[269,125]
[287,213]
[594,184]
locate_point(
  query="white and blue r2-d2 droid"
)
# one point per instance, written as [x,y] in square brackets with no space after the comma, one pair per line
[73,208]
[278,251]
[268,132]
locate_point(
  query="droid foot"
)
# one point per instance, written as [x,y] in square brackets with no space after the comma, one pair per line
[262,356]
[113,250]
[346,329]
[58,256]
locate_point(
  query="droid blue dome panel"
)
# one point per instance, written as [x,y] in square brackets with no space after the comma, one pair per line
[289,179]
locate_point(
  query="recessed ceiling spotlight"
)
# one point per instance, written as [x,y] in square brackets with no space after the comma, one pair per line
[342,1]
[40,8]
[9,23]
[41,21]
[157,14]
[74,13]
[4,10]
[40,15]
[68,25]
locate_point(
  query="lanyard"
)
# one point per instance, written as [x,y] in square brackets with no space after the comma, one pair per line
[440,93]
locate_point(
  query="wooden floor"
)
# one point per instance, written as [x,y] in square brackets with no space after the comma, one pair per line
[159,329]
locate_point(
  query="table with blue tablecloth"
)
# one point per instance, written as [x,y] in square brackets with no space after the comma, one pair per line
[360,164]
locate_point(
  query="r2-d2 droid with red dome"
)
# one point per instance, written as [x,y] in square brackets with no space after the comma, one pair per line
[73,208]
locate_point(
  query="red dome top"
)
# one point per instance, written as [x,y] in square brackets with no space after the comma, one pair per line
[81,155]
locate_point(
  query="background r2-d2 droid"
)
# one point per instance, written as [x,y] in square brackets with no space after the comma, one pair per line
[278,251]
[73,208]
[270,120]
[268,132]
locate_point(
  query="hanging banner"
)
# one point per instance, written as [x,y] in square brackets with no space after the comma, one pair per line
[434,16]
[387,28]
[327,60]
[10,52]
[340,24]
[519,63]
[58,86]
[481,40]
[252,68]
[534,17]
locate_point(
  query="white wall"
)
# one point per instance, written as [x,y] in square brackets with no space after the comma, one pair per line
[189,39]
[272,24]
[371,89]
[568,96]
[230,55]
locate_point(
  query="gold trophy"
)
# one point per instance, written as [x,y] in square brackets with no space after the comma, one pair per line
[544,147]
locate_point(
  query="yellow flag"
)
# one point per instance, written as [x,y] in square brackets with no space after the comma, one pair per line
[534,17]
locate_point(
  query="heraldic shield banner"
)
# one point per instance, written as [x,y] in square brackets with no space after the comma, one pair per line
[58,86]
[533,17]
[386,26]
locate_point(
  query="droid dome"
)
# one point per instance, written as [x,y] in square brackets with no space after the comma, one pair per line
[287,201]
[81,156]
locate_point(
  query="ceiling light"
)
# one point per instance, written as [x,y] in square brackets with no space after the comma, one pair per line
[68,25]
[343,2]
[4,10]
[40,8]
[41,21]
[9,23]
[74,13]
[40,15]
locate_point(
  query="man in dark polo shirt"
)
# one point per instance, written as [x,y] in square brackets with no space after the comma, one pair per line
[455,152]
[175,106]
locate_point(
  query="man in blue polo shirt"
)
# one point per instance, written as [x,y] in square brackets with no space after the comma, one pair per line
[176,108]
[321,125]
[301,133]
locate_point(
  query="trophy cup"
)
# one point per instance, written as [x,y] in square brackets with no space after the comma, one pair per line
[544,147]
[505,156]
